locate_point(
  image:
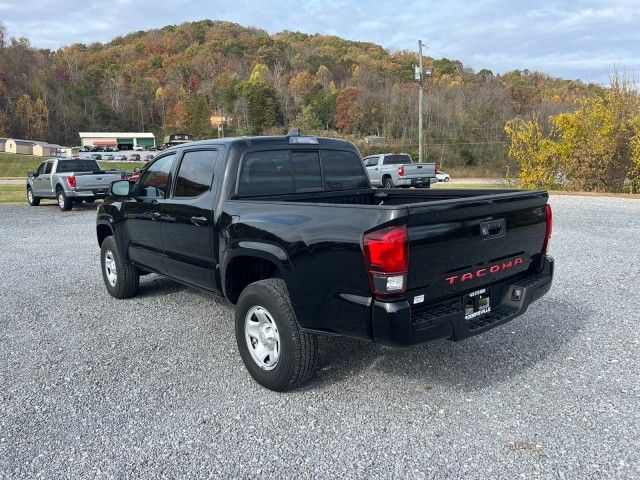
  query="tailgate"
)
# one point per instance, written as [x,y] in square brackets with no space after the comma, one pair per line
[89,181]
[419,170]
[459,245]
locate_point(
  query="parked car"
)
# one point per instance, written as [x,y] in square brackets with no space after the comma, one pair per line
[391,170]
[69,180]
[135,175]
[134,157]
[150,148]
[138,148]
[442,177]
[84,149]
[289,230]
[97,149]
[108,156]
[148,157]
[95,156]
[122,157]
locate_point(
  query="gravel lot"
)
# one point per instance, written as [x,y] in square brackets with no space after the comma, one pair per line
[153,386]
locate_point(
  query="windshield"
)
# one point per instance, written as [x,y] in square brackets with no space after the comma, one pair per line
[397,159]
[68,166]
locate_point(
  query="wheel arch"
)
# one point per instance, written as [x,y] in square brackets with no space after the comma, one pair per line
[253,261]
[103,230]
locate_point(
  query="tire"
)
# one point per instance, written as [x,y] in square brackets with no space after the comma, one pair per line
[33,200]
[446,179]
[65,203]
[387,183]
[120,278]
[267,306]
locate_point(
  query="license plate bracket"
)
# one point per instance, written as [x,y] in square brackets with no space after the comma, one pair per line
[476,303]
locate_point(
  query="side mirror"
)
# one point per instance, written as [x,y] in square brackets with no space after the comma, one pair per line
[136,170]
[121,188]
[30,174]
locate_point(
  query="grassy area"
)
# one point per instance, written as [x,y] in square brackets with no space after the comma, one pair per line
[13,194]
[14,165]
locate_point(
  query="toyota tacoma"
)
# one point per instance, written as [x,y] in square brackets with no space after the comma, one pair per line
[289,230]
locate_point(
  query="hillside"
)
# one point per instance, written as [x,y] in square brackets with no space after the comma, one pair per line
[177,77]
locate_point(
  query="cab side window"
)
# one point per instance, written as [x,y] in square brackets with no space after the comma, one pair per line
[195,174]
[154,182]
[48,166]
[40,169]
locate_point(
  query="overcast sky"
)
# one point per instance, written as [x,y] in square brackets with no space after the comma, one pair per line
[580,39]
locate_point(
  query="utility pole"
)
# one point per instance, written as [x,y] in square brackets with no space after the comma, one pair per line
[420,101]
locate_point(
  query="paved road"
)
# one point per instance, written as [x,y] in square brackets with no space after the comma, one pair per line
[153,386]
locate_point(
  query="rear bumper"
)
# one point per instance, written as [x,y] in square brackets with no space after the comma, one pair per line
[398,323]
[413,182]
[98,193]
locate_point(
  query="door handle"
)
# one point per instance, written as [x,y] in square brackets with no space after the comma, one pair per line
[199,220]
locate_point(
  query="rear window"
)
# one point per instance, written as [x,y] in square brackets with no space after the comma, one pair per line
[343,171]
[396,159]
[68,166]
[265,173]
[281,172]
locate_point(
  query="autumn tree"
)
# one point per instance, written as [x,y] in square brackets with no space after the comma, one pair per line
[534,152]
[348,115]
[261,99]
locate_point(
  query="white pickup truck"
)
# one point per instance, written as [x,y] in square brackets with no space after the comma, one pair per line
[391,170]
[70,180]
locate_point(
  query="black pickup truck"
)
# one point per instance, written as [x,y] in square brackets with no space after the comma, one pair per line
[289,230]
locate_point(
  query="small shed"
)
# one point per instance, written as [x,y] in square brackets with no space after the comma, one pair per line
[41,149]
[24,147]
[2,143]
[374,140]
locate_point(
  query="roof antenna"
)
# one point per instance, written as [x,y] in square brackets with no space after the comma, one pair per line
[294,132]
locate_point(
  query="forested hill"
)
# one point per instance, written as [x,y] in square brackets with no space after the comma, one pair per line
[177,77]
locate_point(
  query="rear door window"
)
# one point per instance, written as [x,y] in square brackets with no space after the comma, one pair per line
[47,168]
[195,173]
[343,171]
[265,173]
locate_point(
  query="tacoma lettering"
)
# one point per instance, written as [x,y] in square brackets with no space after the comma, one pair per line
[466,276]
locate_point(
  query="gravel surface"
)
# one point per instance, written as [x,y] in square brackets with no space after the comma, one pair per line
[154,387]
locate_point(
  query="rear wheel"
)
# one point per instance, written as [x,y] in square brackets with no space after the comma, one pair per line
[120,278]
[275,351]
[387,183]
[31,198]
[65,203]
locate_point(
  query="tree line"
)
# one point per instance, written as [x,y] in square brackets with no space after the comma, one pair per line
[189,77]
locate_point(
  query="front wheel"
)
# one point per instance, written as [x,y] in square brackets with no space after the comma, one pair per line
[120,278]
[275,351]
[31,198]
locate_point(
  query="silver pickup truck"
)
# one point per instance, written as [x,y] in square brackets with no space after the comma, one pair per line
[70,180]
[391,170]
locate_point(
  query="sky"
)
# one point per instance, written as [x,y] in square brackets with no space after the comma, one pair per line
[578,39]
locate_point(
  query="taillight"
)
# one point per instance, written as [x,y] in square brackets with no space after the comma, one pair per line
[386,255]
[401,170]
[71,180]
[548,230]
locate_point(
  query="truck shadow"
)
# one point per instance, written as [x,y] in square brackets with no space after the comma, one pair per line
[473,364]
